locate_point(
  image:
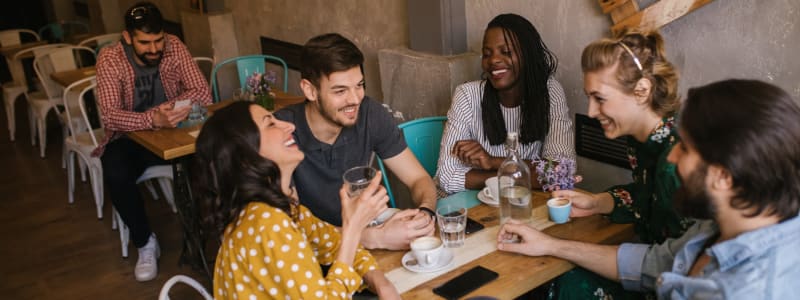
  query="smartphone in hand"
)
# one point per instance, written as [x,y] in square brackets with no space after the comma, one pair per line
[182,103]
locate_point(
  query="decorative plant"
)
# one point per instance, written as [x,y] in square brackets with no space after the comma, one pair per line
[259,85]
[556,174]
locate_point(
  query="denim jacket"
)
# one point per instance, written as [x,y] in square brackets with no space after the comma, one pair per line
[760,264]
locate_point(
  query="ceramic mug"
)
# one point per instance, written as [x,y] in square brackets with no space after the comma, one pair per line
[427,250]
[559,209]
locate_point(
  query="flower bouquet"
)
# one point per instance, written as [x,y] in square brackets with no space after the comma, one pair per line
[556,174]
[258,85]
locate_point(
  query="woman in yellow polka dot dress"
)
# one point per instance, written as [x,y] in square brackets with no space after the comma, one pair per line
[272,246]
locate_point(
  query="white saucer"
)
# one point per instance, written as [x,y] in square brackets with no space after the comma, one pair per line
[486,199]
[409,257]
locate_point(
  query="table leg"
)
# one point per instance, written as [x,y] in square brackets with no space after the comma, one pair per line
[194,241]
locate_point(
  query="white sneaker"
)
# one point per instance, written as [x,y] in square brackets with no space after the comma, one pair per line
[147,265]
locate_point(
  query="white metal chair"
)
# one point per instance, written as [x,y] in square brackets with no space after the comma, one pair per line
[83,142]
[15,88]
[48,61]
[164,294]
[99,41]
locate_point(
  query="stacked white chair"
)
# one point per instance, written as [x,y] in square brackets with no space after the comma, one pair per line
[48,61]
[83,142]
[12,90]
[100,41]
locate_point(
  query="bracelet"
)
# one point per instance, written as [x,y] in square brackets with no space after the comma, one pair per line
[429,211]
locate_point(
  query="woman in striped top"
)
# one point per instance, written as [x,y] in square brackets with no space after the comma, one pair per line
[519,94]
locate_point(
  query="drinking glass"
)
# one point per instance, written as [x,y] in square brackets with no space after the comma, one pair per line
[357,179]
[452,225]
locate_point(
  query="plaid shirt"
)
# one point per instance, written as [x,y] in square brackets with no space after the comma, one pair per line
[180,77]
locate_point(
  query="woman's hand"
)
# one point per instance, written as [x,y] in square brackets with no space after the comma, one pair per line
[471,152]
[584,204]
[360,211]
[380,285]
[531,241]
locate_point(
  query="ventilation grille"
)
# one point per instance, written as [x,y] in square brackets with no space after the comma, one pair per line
[289,52]
[590,142]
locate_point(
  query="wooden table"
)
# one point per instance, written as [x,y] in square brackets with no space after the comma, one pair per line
[518,273]
[172,143]
[65,78]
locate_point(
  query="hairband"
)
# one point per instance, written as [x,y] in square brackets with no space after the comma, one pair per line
[635,59]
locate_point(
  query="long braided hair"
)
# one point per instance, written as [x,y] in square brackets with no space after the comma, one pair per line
[537,65]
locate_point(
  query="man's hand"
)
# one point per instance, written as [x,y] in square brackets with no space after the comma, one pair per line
[471,152]
[398,232]
[166,117]
[532,242]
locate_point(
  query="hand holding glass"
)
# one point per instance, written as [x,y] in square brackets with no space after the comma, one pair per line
[356,180]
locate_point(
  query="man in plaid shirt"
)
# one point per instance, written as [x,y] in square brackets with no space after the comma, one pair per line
[139,79]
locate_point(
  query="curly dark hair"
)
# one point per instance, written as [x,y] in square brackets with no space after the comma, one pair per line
[229,173]
[538,64]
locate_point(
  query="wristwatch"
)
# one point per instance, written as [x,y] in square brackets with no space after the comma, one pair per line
[429,211]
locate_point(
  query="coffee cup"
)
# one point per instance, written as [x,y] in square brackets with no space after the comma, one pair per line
[427,250]
[559,209]
[491,187]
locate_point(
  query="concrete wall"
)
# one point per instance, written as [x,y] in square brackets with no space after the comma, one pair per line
[370,24]
[727,38]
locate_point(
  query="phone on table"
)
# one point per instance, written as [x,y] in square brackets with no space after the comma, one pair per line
[472,226]
[465,283]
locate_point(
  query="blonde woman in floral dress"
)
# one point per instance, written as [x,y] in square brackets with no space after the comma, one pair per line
[271,246]
[632,91]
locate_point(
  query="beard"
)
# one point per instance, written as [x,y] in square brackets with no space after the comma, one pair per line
[330,114]
[692,199]
[150,62]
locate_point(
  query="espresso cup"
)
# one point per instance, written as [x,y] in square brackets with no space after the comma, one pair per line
[559,209]
[427,250]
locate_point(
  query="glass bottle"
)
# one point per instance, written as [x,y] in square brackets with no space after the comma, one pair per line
[514,185]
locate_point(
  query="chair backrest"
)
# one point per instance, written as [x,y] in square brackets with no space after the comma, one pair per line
[57,31]
[206,65]
[12,37]
[424,137]
[72,98]
[30,52]
[246,66]
[57,59]
[99,41]
[164,294]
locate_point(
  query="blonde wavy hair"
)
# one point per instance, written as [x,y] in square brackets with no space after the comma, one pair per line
[648,49]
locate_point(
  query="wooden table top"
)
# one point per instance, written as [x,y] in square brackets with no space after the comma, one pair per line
[10,51]
[518,273]
[66,78]
[171,143]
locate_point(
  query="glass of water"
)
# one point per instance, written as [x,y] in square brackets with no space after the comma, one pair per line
[452,224]
[357,179]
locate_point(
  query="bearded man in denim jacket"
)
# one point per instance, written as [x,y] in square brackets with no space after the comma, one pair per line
[739,162]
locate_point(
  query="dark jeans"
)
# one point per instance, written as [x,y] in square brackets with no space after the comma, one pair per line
[123,162]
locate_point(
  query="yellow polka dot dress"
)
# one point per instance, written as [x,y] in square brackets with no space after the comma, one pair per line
[267,255]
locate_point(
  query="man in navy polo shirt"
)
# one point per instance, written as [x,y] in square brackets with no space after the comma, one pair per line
[338,128]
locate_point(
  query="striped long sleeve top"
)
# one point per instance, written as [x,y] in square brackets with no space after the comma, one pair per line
[464,122]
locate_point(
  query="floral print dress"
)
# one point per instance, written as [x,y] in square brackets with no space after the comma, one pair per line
[646,202]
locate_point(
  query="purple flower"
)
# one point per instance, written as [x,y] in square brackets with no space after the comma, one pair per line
[259,84]
[556,174]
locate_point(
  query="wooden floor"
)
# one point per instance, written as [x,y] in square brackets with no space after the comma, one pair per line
[54,250]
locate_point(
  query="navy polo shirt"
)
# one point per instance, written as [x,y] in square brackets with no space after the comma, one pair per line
[318,178]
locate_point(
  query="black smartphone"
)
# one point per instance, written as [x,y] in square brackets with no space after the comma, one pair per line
[465,283]
[473,226]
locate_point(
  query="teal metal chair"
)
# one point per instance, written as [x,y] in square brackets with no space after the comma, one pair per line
[246,65]
[423,137]
[57,31]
